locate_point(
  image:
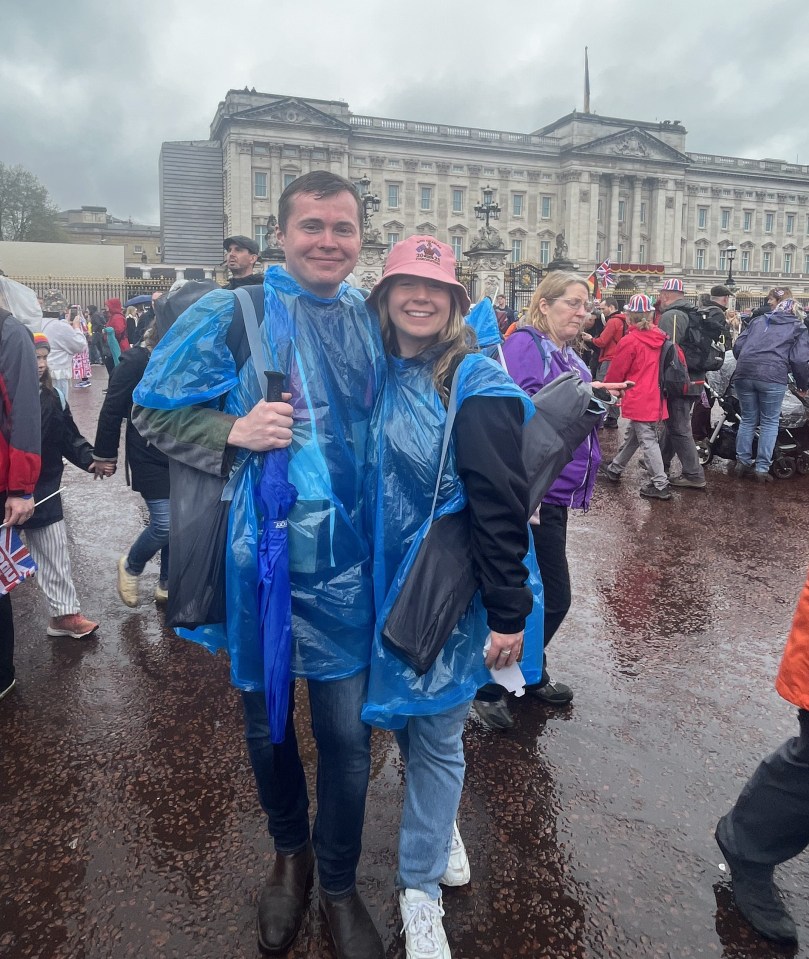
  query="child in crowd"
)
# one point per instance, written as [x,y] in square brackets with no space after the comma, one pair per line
[45,532]
[637,360]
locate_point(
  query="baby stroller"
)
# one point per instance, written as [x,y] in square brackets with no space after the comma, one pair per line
[791,453]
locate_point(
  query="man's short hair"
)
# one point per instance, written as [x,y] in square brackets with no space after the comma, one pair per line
[319,184]
[611,302]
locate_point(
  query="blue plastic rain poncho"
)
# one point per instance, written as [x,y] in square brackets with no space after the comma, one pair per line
[331,352]
[405,447]
[483,321]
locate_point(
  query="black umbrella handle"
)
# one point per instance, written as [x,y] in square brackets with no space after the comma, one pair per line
[275,386]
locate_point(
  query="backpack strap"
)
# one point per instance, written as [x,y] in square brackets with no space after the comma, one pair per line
[543,349]
[452,409]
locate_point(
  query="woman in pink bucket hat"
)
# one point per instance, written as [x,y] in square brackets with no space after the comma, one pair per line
[432,354]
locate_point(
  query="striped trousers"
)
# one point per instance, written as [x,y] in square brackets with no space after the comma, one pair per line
[48,547]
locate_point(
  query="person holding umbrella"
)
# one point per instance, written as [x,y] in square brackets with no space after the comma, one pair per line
[432,353]
[203,403]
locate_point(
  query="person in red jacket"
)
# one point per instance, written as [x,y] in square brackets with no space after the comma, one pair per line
[116,320]
[19,455]
[637,360]
[769,823]
[607,342]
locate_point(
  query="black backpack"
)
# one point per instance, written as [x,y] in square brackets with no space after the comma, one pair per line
[672,377]
[700,351]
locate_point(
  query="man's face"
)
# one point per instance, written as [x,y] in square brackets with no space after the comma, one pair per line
[608,309]
[500,302]
[667,297]
[322,241]
[722,300]
[239,261]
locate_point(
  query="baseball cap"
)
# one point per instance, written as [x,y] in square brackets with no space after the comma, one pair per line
[245,241]
[639,303]
[673,284]
[720,290]
[425,257]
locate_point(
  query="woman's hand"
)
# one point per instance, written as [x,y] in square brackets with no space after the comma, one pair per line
[586,337]
[616,389]
[505,649]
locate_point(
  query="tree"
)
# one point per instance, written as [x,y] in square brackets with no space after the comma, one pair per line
[26,210]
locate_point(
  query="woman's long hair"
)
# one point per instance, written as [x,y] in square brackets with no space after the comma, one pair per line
[458,336]
[552,288]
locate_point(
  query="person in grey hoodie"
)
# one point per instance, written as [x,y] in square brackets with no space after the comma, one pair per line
[772,347]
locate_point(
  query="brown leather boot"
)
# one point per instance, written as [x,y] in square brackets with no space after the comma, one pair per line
[352,929]
[282,902]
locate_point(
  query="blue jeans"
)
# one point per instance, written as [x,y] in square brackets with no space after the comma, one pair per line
[432,748]
[343,768]
[155,537]
[761,407]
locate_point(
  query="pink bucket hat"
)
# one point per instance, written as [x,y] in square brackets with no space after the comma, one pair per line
[673,284]
[425,257]
[638,304]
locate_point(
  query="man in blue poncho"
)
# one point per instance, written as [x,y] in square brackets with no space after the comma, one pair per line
[201,403]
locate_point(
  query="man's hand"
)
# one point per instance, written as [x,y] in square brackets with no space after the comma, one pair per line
[268,426]
[101,469]
[18,510]
[504,651]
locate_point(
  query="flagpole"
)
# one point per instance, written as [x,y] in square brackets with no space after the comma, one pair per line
[586,82]
[45,500]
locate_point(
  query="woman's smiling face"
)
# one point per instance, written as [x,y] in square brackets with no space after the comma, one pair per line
[419,310]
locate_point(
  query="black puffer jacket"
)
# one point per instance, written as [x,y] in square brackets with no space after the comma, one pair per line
[60,438]
[149,467]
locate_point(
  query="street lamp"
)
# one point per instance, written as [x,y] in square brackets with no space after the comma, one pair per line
[730,253]
[488,209]
[370,201]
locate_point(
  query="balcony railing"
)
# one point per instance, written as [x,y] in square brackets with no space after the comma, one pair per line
[464,133]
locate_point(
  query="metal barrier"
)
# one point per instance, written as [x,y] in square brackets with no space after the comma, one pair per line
[93,290]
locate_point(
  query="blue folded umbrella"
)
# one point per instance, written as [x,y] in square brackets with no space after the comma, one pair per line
[276,497]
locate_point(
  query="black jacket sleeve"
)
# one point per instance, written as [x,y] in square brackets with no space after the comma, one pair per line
[118,402]
[488,433]
[75,448]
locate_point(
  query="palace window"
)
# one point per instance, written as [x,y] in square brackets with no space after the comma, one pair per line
[790,223]
[516,251]
[457,201]
[642,214]
[426,198]
[260,235]
[457,246]
[621,211]
[289,178]
[517,204]
[726,218]
[546,208]
[544,252]
[393,196]
[748,221]
[702,217]
[393,238]
[766,261]
[769,222]
[700,261]
[260,185]
[745,261]
[787,263]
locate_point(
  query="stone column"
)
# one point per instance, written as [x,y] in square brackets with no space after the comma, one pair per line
[592,237]
[572,213]
[442,199]
[490,269]
[659,235]
[306,160]
[275,175]
[615,190]
[677,224]
[634,239]
[241,190]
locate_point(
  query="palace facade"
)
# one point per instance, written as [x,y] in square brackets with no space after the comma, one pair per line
[622,189]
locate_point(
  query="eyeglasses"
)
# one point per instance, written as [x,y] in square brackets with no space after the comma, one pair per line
[574,305]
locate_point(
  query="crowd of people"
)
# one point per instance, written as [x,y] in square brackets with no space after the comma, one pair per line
[390,420]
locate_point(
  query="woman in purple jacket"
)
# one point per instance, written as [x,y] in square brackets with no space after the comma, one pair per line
[535,354]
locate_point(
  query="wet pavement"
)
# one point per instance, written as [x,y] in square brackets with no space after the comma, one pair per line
[129,824]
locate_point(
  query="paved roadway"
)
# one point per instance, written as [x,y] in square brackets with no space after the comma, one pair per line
[128,818]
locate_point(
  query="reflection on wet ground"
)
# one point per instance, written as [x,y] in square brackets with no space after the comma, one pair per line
[129,824]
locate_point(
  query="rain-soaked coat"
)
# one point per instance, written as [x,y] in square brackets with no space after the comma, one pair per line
[330,350]
[405,446]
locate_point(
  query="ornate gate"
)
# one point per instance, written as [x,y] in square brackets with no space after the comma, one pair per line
[521,280]
[467,276]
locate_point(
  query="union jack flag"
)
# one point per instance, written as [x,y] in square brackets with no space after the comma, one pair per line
[605,275]
[15,561]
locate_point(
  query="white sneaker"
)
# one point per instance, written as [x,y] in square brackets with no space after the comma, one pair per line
[457,873]
[127,584]
[424,933]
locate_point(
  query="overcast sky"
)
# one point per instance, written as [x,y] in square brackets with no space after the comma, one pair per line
[91,88]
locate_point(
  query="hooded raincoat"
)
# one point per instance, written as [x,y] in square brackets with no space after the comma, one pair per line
[405,449]
[331,352]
